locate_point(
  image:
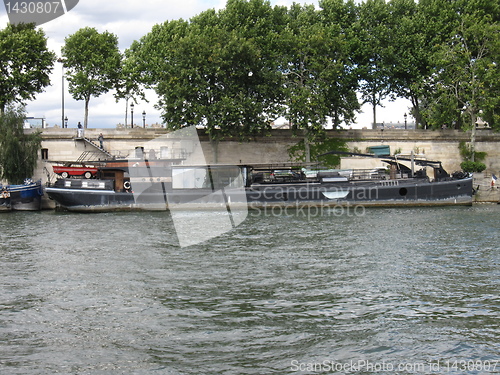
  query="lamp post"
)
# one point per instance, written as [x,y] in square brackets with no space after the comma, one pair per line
[132,115]
[405,116]
[66,121]
[144,119]
[61,60]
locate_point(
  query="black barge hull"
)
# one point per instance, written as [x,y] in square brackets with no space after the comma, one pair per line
[384,193]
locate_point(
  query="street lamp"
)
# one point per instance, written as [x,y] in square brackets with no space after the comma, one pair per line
[144,119]
[132,115]
[65,121]
[405,116]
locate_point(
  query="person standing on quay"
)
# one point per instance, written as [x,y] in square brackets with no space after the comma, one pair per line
[80,130]
[101,141]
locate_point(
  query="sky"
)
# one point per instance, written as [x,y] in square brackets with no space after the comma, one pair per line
[130,20]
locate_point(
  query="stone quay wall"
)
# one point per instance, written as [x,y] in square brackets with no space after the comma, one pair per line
[62,145]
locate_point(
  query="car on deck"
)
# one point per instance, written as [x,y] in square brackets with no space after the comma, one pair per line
[75,169]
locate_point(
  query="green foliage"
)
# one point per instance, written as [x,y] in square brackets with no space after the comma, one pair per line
[468,154]
[236,70]
[297,152]
[25,63]
[372,25]
[18,151]
[319,78]
[472,166]
[463,82]
[93,64]
[129,86]
[408,57]
[216,70]
[235,80]
[466,69]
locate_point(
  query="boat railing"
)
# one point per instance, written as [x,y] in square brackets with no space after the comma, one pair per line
[325,175]
[350,174]
[369,174]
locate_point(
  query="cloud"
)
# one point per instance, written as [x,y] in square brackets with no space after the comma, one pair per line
[129,20]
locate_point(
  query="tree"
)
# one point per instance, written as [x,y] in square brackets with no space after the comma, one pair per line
[466,66]
[93,64]
[129,85]
[252,59]
[25,63]
[218,70]
[466,74]
[373,26]
[443,24]
[18,151]
[237,70]
[408,57]
[472,158]
[339,18]
[319,78]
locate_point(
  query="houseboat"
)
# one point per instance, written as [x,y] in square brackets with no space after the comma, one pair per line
[162,184]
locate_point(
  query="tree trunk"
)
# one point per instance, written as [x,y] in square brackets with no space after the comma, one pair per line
[85,120]
[416,112]
[374,125]
[215,149]
[126,112]
[473,136]
[374,103]
[459,122]
[307,146]
[307,149]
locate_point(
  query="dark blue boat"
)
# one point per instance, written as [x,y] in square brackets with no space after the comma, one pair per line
[25,197]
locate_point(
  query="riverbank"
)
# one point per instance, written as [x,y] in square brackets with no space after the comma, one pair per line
[60,144]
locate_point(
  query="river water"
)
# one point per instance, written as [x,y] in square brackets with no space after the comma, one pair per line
[388,291]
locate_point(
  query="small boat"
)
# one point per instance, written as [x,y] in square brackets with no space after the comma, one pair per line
[25,197]
[139,184]
[4,199]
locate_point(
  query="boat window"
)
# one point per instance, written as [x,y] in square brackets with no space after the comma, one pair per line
[189,178]
[206,177]
[139,152]
[227,176]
